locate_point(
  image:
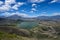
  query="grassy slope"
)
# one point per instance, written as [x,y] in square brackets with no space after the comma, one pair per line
[6,36]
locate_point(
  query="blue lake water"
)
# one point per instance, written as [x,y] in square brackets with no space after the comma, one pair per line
[27,25]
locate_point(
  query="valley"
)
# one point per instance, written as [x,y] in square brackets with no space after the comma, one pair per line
[28,29]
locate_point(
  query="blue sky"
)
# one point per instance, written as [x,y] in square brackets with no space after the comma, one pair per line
[29,8]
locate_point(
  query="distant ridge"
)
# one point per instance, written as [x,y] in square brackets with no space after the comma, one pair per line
[15,17]
[57,17]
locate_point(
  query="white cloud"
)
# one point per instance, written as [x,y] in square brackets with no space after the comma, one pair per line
[4,8]
[7,5]
[6,14]
[33,9]
[21,14]
[36,1]
[55,14]
[17,5]
[9,2]
[1,2]
[33,5]
[43,15]
[53,1]
[23,10]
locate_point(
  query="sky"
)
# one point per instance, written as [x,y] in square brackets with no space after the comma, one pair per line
[29,8]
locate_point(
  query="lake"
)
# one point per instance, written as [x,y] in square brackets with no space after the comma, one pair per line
[27,25]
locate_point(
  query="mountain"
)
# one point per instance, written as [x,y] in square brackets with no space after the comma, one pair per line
[57,17]
[17,17]
[14,17]
[42,17]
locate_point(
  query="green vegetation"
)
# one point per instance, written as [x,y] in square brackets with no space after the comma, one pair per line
[7,36]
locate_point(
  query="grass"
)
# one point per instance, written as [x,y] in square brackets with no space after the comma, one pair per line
[7,36]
